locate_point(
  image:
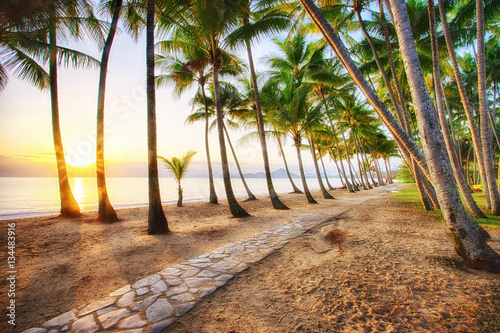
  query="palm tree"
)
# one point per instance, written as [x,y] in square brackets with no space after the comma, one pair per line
[29,33]
[157,222]
[183,72]
[178,167]
[208,25]
[455,163]
[231,107]
[484,113]
[294,117]
[105,212]
[57,20]
[267,20]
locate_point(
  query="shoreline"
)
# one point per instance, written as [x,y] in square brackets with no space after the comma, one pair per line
[20,204]
[127,206]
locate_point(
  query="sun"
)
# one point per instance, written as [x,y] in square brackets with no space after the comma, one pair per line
[80,161]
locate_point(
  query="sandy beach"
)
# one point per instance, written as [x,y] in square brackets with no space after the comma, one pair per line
[377,265]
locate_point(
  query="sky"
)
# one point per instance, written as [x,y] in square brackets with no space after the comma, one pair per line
[26,146]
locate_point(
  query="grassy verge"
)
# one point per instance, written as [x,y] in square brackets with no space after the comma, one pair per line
[409,195]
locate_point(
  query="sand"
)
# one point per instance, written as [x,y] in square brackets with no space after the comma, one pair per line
[377,265]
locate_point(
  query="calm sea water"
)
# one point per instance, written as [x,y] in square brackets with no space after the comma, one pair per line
[21,197]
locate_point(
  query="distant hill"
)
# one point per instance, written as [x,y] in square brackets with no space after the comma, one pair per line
[280,173]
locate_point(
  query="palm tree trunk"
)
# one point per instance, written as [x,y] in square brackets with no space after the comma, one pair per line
[294,187]
[234,206]
[349,186]
[360,166]
[455,163]
[366,163]
[469,243]
[465,101]
[342,176]
[380,67]
[179,194]
[325,193]
[489,163]
[106,212]
[157,222]
[309,197]
[69,206]
[213,194]
[388,172]
[330,187]
[242,177]
[276,202]
[340,50]
[348,158]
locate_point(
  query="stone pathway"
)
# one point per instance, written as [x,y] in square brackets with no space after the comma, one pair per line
[153,303]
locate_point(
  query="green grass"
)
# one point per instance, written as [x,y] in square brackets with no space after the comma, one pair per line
[409,194]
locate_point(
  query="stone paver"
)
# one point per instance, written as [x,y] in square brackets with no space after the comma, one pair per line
[154,302]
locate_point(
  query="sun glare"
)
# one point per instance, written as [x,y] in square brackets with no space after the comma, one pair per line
[80,161]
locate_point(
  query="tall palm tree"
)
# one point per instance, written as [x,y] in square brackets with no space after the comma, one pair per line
[157,222]
[266,20]
[192,68]
[29,37]
[57,20]
[232,108]
[208,24]
[455,163]
[105,212]
[295,117]
[484,113]
[178,167]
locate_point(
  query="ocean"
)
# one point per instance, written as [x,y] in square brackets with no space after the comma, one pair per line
[30,196]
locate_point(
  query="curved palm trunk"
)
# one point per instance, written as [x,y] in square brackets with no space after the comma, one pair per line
[342,175]
[360,167]
[309,197]
[388,171]
[469,243]
[294,187]
[69,206]
[277,204]
[157,222]
[348,158]
[366,163]
[234,206]
[325,193]
[342,53]
[363,162]
[242,177]
[330,187]
[349,186]
[489,163]
[105,212]
[455,163]
[213,194]
[465,102]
